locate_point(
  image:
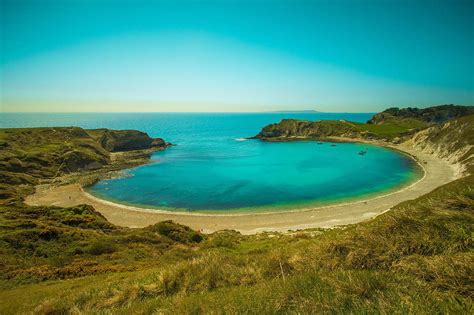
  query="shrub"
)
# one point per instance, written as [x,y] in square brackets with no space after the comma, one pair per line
[100,247]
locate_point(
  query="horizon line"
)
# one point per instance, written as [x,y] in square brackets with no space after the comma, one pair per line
[186,112]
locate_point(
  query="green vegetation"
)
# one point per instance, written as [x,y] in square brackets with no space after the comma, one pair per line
[43,243]
[436,114]
[416,258]
[393,124]
[392,129]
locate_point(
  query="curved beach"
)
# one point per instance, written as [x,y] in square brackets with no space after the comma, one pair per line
[437,173]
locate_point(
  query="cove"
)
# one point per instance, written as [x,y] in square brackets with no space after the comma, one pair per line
[254,175]
[212,169]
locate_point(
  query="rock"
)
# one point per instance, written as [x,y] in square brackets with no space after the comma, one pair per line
[397,140]
[77,160]
[292,128]
[125,140]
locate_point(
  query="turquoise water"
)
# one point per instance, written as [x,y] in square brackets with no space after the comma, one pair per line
[213,168]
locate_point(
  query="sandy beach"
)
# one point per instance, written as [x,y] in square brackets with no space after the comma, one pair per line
[436,173]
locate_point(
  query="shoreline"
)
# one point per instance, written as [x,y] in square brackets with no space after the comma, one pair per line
[307,206]
[436,173]
[269,210]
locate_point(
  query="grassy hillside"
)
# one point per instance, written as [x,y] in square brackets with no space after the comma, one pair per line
[44,243]
[416,258]
[390,129]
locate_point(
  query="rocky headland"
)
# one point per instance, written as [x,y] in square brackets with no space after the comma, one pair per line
[30,156]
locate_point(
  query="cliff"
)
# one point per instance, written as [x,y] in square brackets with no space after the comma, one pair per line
[452,141]
[290,129]
[124,140]
[392,124]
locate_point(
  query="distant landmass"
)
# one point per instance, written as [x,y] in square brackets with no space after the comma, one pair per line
[296,111]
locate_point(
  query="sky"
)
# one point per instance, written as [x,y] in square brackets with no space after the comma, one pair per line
[230,56]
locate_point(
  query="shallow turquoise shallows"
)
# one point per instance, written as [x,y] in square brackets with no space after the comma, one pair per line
[214,168]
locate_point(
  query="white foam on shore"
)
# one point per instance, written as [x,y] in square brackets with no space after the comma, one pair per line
[240,139]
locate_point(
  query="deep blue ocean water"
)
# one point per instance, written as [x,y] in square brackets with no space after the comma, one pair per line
[213,168]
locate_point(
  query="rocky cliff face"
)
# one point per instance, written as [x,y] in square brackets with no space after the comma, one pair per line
[125,140]
[452,141]
[431,115]
[289,129]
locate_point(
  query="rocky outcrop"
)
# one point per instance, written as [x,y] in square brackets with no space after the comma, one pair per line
[125,140]
[431,115]
[289,129]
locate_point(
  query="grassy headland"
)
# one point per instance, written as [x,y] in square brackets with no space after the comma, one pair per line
[30,156]
[416,258]
[392,124]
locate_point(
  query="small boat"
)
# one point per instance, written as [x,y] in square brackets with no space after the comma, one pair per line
[319,143]
[362,152]
[333,145]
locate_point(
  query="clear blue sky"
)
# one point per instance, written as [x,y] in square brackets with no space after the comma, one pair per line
[235,55]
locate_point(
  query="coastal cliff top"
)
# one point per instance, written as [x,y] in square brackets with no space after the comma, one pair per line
[392,124]
[435,114]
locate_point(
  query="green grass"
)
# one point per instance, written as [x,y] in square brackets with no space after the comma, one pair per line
[392,128]
[417,258]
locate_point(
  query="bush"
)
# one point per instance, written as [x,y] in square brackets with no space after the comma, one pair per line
[100,247]
[176,232]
